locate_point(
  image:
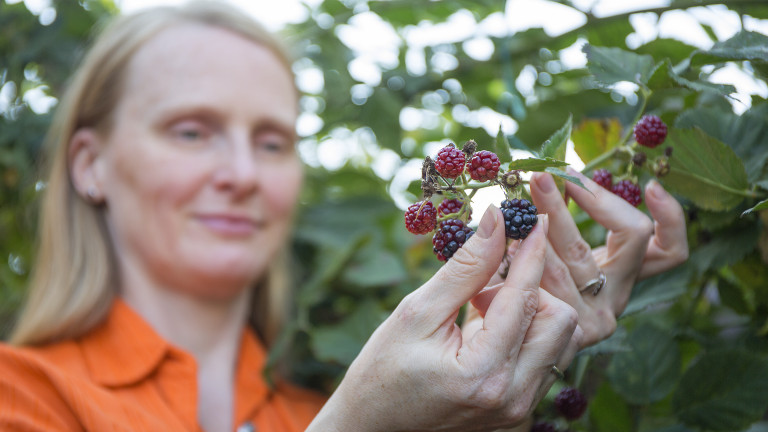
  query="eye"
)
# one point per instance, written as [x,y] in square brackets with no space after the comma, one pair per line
[274,143]
[190,131]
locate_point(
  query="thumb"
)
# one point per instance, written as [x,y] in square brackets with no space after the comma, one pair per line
[467,272]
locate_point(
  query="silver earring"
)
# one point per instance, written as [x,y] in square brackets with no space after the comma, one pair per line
[92,192]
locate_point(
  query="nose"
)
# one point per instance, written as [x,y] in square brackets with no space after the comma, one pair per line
[240,172]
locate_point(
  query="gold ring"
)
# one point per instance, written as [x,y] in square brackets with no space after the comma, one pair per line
[595,285]
[558,373]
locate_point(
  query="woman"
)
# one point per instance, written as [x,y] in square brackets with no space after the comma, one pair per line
[173,180]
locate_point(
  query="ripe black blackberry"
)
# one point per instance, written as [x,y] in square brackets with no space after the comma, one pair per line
[603,177]
[450,161]
[484,166]
[520,216]
[448,206]
[449,238]
[650,131]
[629,191]
[421,217]
[570,403]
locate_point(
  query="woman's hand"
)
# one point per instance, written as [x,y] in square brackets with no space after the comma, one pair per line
[635,248]
[420,371]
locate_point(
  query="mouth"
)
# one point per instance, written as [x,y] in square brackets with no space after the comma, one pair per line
[230,225]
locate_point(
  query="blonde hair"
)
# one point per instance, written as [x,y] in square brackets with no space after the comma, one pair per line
[73,281]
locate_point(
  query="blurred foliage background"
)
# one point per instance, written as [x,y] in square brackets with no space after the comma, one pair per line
[691,351]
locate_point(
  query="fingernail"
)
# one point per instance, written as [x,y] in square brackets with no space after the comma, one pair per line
[488,222]
[655,189]
[544,220]
[545,182]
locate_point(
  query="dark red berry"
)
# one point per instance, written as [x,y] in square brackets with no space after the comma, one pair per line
[449,206]
[603,177]
[543,427]
[629,191]
[520,216]
[449,238]
[484,166]
[421,217]
[650,131]
[570,403]
[450,161]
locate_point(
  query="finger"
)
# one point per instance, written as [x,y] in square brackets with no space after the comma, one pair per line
[512,309]
[668,247]
[629,228]
[564,235]
[483,299]
[466,273]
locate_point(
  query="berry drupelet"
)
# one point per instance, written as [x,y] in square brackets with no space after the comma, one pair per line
[449,206]
[421,217]
[570,403]
[520,216]
[650,131]
[629,191]
[484,166]
[450,161]
[603,177]
[449,238]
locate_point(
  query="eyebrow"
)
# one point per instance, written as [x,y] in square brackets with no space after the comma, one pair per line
[169,114]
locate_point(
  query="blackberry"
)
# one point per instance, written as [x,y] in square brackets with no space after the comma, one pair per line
[421,217]
[543,427]
[603,177]
[449,238]
[570,403]
[629,191]
[519,218]
[650,131]
[450,161]
[484,166]
[449,206]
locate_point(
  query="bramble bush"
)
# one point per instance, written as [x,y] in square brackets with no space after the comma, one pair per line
[691,349]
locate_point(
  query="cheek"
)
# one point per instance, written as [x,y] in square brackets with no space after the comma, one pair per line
[282,193]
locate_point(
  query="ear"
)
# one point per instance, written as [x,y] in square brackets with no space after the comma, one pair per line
[86,160]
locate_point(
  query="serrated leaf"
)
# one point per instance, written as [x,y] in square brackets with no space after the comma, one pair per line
[745,45]
[658,289]
[593,137]
[726,249]
[612,65]
[664,76]
[703,170]
[762,205]
[723,391]
[536,164]
[501,147]
[649,372]
[563,175]
[554,147]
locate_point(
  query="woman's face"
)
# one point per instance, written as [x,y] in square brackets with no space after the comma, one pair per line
[200,172]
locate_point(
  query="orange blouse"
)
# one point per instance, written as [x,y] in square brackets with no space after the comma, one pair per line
[122,376]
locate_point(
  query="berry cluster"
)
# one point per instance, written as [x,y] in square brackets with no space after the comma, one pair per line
[650,131]
[449,238]
[520,216]
[570,403]
[450,161]
[626,189]
[421,217]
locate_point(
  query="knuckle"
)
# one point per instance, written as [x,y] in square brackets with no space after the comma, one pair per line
[578,250]
[644,227]
[559,272]
[465,259]
[530,301]
[567,316]
[519,410]
[407,312]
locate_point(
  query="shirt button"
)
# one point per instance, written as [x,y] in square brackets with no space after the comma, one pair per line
[246,427]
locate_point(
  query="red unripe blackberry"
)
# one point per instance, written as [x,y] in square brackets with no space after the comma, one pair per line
[484,166]
[450,161]
[543,427]
[421,217]
[449,238]
[449,206]
[650,131]
[629,191]
[603,177]
[570,403]
[520,216]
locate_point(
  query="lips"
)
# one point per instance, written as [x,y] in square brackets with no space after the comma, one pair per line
[230,225]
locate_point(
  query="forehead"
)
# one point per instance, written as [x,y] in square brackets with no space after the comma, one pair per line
[192,62]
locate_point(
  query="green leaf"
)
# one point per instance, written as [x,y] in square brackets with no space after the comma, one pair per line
[725,249]
[561,174]
[593,137]
[342,342]
[745,45]
[723,391]
[612,65]
[608,412]
[374,267]
[535,164]
[762,205]
[664,77]
[501,147]
[554,147]
[650,371]
[658,289]
[704,170]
